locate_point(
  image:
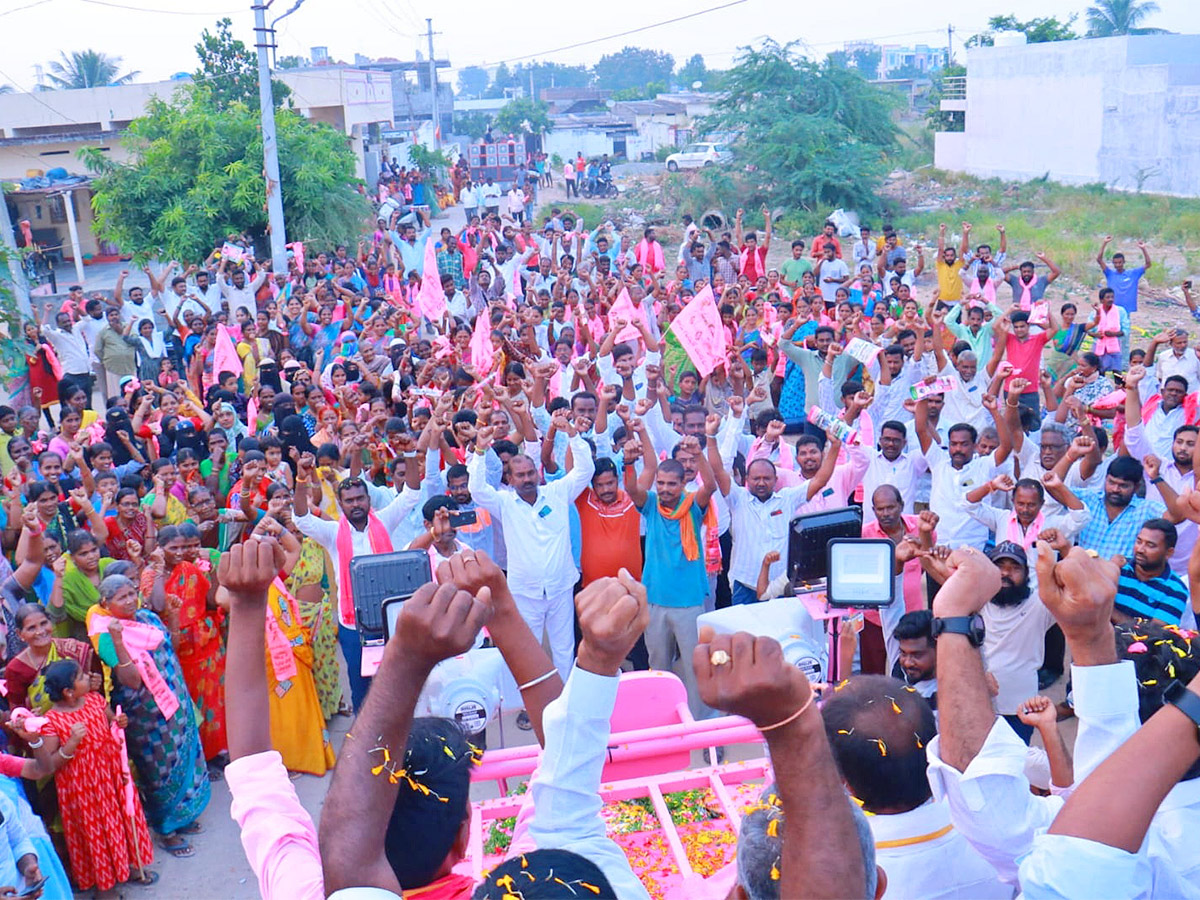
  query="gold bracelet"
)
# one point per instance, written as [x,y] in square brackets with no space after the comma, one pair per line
[120,665]
[793,717]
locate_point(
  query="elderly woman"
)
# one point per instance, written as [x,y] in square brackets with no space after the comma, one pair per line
[24,672]
[138,650]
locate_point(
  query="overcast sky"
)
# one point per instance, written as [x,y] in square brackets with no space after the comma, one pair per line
[160,43]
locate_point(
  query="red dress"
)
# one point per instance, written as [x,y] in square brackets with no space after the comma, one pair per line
[201,654]
[105,838]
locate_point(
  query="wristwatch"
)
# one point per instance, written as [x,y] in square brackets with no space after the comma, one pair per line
[970,627]
[1177,694]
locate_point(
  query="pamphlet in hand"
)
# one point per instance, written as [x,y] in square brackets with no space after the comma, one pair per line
[922,389]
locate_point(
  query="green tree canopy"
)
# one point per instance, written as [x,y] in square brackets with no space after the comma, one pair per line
[501,80]
[472,123]
[1106,18]
[548,74]
[816,134]
[195,175]
[692,71]
[472,81]
[522,116]
[229,71]
[633,67]
[87,69]
[1039,30]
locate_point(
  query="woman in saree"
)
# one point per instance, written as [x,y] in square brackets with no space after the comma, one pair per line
[80,584]
[183,583]
[308,582]
[297,726]
[24,673]
[138,650]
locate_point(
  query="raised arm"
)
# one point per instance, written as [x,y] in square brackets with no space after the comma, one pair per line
[1100,254]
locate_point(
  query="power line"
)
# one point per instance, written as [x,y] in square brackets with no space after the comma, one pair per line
[8,12]
[620,34]
[34,95]
[170,12]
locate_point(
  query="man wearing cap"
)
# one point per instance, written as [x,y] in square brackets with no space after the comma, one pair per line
[1015,626]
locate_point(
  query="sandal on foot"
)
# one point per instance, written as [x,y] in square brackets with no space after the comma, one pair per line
[194,828]
[179,851]
[148,878]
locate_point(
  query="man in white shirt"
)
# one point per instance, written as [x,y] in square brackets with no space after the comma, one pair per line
[878,732]
[1161,412]
[831,273]
[536,522]
[892,464]
[200,282]
[618,364]
[1178,474]
[137,306]
[1179,359]
[957,469]
[468,198]
[73,354]
[237,291]
[489,193]
[355,502]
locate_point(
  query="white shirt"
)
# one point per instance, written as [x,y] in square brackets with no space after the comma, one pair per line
[901,472]
[759,527]
[71,349]
[131,311]
[965,402]
[469,197]
[325,532]
[1069,523]
[566,785]
[90,328]
[1161,426]
[932,868]
[1187,366]
[537,536]
[241,298]
[490,193]
[832,268]
[1014,647]
[609,375]
[516,200]
[947,496]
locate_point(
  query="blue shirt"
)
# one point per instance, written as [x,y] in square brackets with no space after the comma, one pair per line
[1125,286]
[1163,598]
[1116,537]
[670,578]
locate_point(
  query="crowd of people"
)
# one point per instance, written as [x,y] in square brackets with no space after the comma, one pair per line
[189,469]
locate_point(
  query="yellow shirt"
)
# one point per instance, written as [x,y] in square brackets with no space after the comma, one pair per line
[950,285]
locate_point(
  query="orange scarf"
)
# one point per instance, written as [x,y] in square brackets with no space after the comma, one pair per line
[688,539]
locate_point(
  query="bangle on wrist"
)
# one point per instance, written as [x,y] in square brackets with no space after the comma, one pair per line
[793,717]
[64,754]
[36,745]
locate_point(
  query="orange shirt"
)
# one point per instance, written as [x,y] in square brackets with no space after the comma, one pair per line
[610,536]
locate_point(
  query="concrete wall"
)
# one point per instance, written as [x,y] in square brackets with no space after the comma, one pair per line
[566,143]
[1123,111]
[950,150]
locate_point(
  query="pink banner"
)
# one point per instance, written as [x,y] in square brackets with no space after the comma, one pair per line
[431,299]
[623,308]
[225,356]
[482,350]
[699,331]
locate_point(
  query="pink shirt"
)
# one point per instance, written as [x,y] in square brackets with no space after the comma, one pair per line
[1026,357]
[912,568]
[1110,320]
[278,834]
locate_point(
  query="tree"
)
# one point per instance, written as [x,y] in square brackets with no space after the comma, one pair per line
[550,75]
[195,174]
[291,62]
[866,61]
[1112,17]
[472,123]
[472,81]
[633,67]
[938,119]
[502,80]
[644,92]
[87,69]
[229,71]
[816,134]
[1040,30]
[692,71]
[524,116]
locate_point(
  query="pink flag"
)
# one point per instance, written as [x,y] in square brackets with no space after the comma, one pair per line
[482,350]
[431,299]
[297,248]
[225,356]
[623,308]
[699,331]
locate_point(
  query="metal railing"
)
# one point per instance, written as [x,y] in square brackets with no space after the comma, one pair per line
[954,87]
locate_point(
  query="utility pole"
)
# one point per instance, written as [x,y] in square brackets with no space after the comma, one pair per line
[949,45]
[433,87]
[15,271]
[263,41]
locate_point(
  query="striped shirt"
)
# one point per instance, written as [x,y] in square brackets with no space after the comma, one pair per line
[1164,597]
[1110,538]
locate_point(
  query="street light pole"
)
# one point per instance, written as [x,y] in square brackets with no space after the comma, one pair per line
[433,87]
[266,103]
[15,271]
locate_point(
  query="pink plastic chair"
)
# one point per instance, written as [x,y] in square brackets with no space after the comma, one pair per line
[647,700]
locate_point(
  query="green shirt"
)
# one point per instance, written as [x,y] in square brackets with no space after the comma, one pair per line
[793,270]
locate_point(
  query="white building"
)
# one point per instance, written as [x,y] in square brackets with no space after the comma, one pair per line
[46,130]
[1121,111]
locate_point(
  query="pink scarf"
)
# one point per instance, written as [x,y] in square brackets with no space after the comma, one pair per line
[1110,320]
[381,542]
[760,450]
[140,639]
[1027,539]
[650,255]
[1039,310]
[279,648]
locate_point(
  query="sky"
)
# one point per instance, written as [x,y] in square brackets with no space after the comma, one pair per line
[156,37]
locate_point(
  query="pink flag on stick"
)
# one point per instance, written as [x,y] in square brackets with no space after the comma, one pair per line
[699,331]
[623,308]
[482,350]
[225,356]
[431,299]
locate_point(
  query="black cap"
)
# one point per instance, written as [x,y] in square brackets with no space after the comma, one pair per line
[1009,550]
